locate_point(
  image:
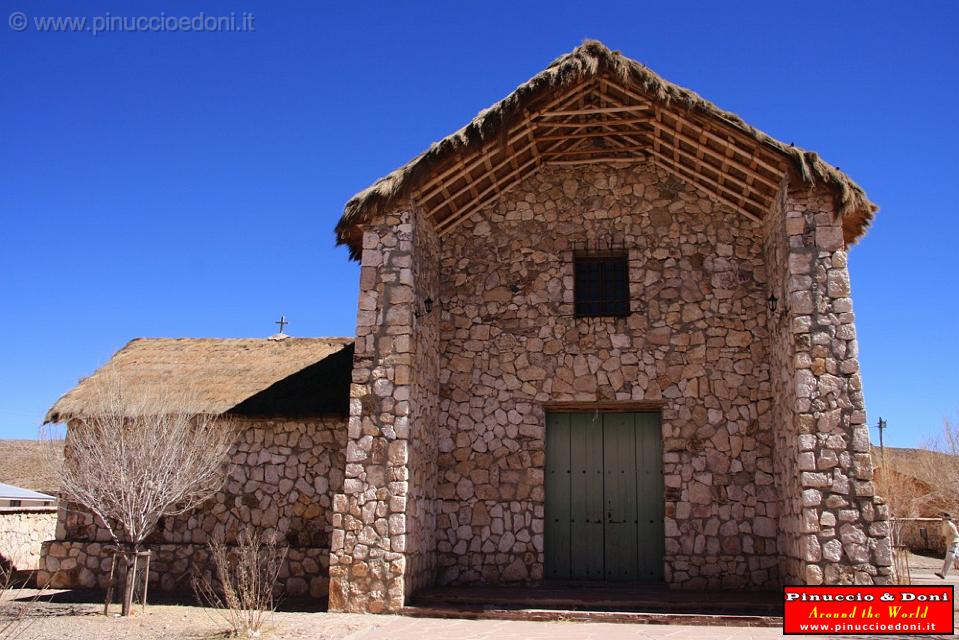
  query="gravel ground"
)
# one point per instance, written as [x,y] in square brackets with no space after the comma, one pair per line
[48,618]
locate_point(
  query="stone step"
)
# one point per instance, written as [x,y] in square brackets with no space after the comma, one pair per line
[599,597]
[566,615]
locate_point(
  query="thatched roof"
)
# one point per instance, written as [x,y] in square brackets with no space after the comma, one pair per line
[220,373]
[592,63]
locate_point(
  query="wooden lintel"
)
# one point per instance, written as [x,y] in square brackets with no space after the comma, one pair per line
[604,406]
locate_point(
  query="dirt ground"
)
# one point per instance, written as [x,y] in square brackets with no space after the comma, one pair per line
[85,621]
[53,615]
[48,616]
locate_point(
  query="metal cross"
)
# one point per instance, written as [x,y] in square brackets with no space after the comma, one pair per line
[282,322]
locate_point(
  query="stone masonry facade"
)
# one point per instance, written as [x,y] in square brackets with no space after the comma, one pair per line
[696,341]
[765,453]
[282,479]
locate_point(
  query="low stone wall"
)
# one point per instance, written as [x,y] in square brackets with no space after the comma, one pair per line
[283,474]
[72,565]
[921,537]
[22,531]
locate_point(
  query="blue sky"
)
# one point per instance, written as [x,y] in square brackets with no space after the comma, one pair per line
[187,184]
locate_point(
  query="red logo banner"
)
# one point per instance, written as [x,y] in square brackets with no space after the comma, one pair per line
[893,610]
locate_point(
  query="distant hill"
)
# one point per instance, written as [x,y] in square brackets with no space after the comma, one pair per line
[916,482]
[31,464]
[917,462]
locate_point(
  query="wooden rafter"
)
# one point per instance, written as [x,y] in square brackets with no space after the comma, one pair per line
[748,190]
[515,132]
[750,155]
[498,182]
[604,122]
[770,161]
[710,185]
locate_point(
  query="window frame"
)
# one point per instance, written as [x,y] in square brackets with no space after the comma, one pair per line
[603,303]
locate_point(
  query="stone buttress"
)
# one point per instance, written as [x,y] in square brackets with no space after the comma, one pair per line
[382,544]
[833,528]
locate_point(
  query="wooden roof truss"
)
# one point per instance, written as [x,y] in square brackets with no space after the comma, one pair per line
[603,121]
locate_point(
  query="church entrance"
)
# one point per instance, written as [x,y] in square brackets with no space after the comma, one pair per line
[604,497]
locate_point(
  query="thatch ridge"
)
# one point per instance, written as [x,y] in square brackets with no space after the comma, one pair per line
[220,372]
[586,61]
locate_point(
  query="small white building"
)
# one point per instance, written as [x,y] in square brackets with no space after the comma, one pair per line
[12,497]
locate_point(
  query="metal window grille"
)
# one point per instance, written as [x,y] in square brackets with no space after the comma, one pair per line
[601,283]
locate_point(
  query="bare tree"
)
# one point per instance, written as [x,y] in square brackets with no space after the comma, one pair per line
[901,486]
[140,455]
[241,591]
[17,613]
[940,466]
[13,620]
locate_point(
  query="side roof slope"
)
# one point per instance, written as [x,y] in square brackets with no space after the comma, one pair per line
[216,374]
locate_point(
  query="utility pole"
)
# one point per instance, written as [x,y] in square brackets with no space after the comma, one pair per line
[882,449]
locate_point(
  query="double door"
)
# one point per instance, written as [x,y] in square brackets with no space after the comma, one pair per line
[604,497]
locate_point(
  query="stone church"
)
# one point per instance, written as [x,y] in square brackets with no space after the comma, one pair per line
[605,332]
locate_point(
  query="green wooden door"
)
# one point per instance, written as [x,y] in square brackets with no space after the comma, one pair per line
[604,496]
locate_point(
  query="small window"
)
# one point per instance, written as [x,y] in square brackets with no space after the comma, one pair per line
[601,284]
[15,503]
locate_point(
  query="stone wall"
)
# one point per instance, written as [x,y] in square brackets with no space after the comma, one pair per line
[782,361]
[22,531]
[841,536]
[383,539]
[696,341]
[424,406]
[283,475]
[72,564]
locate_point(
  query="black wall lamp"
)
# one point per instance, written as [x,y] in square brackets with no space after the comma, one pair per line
[427,308]
[773,302]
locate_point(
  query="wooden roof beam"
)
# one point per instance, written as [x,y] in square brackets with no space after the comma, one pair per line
[447,224]
[703,149]
[776,167]
[478,201]
[699,180]
[595,110]
[517,131]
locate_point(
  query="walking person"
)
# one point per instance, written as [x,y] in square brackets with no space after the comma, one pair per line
[951,536]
